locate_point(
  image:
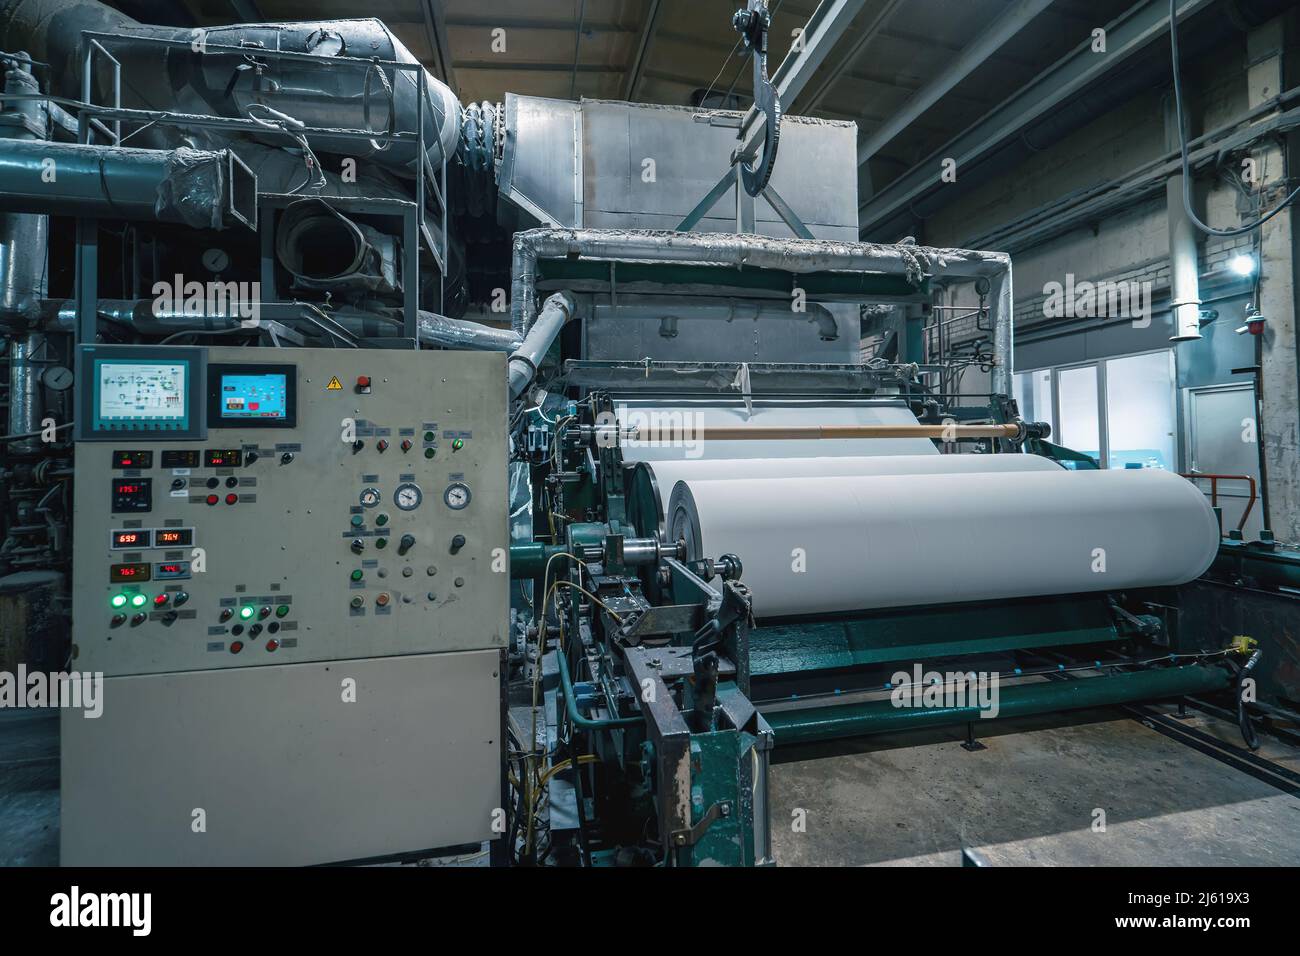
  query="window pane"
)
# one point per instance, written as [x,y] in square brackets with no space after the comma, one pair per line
[1033,394]
[1140,411]
[1080,429]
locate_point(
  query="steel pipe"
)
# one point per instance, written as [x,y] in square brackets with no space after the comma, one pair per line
[806,725]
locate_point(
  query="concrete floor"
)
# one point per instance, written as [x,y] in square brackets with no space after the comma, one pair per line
[1030,798]
[918,800]
[29,788]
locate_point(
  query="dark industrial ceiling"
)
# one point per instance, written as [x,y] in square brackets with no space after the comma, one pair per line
[667,51]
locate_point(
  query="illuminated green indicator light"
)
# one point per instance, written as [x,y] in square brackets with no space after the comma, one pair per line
[357,575]
[246,611]
[282,610]
[119,600]
[138,600]
[458,444]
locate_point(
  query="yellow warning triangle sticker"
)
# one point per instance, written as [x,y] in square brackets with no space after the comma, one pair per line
[335,385]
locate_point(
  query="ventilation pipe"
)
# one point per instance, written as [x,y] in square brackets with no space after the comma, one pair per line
[556,311]
[198,188]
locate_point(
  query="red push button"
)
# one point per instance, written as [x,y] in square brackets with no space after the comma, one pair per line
[236,646]
[272,644]
[212,499]
[231,498]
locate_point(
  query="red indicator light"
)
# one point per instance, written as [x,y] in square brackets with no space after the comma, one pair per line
[212,499]
[363,381]
[236,646]
[272,644]
[159,600]
[231,499]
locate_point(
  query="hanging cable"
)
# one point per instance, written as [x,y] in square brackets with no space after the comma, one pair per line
[1182,146]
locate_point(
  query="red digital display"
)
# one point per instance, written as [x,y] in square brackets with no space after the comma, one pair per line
[132,459]
[173,537]
[223,457]
[129,538]
[128,572]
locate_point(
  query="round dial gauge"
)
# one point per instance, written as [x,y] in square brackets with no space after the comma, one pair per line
[457,496]
[408,496]
[370,497]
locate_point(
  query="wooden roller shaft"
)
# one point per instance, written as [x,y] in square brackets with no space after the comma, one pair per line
[794,432]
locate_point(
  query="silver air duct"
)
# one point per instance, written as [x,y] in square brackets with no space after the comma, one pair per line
[354,95]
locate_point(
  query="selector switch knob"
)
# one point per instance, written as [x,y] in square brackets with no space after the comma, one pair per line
[406,444]
[358,546]
[357,446]
[286,458]
[406,543]
[250,458]
[457,542]
[382,445]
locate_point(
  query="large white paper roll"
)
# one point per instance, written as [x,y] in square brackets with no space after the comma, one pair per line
[668,473]
[824,544]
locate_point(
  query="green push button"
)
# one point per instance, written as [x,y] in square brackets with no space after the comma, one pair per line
[381,520]
[282,610]
[430,452]
[357,521]
[358,574]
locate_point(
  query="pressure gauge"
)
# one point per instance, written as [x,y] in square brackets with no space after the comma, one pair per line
[408,496]
[370,497]
[457,495]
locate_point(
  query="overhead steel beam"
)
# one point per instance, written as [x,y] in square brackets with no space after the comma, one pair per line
[642,52]
[850,57]
[1126,36]
[435,27]
[1012,20]
[823,29]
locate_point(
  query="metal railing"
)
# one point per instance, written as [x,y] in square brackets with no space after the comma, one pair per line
[1214,480]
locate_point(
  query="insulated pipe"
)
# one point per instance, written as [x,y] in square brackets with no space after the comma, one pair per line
[60,315]
[557,310]
[197,188]
[463,334]
[348,94]
[763,252]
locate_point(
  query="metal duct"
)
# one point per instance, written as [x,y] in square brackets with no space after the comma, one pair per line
[524,361]
[462,334]
[352,95]
[324,249]
[197,188]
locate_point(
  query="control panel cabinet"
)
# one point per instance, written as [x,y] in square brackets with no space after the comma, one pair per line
[340,504]
[291,571]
